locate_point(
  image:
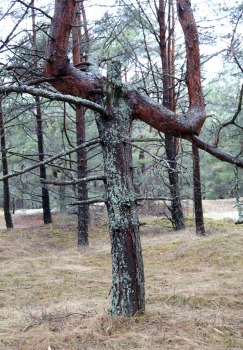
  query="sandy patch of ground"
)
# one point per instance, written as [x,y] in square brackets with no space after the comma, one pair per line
[221,209]
[218,209]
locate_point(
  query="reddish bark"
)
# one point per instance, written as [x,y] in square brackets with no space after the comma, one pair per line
[196,98]
[193,75]
[70,80]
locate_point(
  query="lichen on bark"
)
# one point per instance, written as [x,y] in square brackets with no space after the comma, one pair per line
[127,292]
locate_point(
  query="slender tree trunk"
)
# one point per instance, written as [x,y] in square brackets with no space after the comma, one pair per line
[196,97]
[198,208]
[239,205]
[167,59]
[47,217]
[6,192]
[83,209]
[62,195]
[176,207]
[127,264]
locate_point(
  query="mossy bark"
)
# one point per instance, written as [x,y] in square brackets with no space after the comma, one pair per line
[127,290]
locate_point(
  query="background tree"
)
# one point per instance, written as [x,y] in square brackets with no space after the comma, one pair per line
[47,217]
[6,191]
[80,51]
[167,54]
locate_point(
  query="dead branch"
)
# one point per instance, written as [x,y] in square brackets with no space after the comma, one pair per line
[89,201]
[48,318]
[215,151]
[232,120]
[53,96]
[73,182]
[49,160]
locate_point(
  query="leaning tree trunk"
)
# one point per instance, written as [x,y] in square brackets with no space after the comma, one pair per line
[198,208]
[127,263]
[6,192]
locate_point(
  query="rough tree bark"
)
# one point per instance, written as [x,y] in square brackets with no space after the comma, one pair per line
[166,48]
[127,264]
[6,191]
[83,209]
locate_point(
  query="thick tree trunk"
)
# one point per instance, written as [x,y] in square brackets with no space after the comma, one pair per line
[127,263]
[198,208]
[47,217]
[6,192]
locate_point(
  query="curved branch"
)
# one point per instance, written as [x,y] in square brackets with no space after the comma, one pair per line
[87,85]
[70,80]
[193,73]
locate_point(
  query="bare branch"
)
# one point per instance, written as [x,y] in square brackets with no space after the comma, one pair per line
[88,201]
[153,199]
[34,8]
[54,96]
[72,182]
[232,120]
[49,160]
[215,151]
[101,200]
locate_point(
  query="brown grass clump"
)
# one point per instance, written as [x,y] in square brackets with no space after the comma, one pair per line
[54,295]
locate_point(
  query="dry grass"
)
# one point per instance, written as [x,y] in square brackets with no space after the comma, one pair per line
[52,294]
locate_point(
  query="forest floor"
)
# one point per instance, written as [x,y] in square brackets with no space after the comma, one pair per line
[54,296]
